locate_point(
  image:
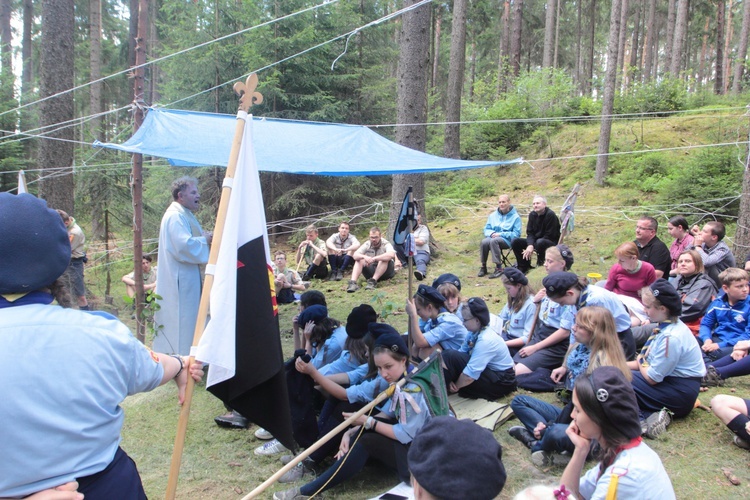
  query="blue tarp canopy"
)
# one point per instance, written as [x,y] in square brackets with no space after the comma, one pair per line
[190,139]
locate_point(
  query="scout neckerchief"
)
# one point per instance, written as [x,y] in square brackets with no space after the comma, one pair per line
[195,227]
[647,346]
[618,472]
[583,298]
[472,338]
[23,299]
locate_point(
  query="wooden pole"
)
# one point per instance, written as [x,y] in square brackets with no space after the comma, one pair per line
[137,172]
[248,97]
[409,337]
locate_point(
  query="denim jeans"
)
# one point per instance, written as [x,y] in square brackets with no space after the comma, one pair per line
[530,411]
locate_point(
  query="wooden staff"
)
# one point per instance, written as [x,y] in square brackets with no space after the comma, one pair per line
[409,338]
[320,442]
[248,97]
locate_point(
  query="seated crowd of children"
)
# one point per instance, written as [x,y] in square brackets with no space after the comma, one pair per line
[625,359]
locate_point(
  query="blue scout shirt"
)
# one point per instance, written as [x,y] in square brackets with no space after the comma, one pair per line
[674,353]
[447,329]
[598,296]
[331,350]
[487,350]
[518,324]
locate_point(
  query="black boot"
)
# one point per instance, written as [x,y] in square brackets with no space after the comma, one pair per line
[523,435]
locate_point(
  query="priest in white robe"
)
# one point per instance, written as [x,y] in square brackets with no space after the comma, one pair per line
[183,248]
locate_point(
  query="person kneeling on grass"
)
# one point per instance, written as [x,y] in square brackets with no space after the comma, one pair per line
[667,372]
[733,412]
[605,409]
[482,367]
[387,436]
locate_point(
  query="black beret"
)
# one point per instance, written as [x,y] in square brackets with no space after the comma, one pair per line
[453,458]
[447,278]
[567,255]
[34,244]
[387,336]
[617,399]
[359,318]
[515,276]
[479,310]
[313,313]
[558,283]
[430,294]
[667,296]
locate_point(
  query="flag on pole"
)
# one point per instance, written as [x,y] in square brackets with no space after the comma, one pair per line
[22,182]
[241,342]
[406,220]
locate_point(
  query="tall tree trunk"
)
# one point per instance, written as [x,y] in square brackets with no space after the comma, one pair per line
[132,31]
[704,47]
[635,42]
[592,41]
[727,42]
[515,41]
[153,46]
[57,63]
[602,161]
[457,66]
[623,35]
[579,37]
[436,46]
[557,35]
[739,66]
[719,81]
[648,46]
[6,42]
[742,237]
[413,64]
[95,64]
[472,70]
[680,30]
[27,73]
[671,16]
[549,34]
[503,59]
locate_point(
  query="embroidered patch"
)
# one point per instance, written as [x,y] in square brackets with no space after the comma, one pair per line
[154,356]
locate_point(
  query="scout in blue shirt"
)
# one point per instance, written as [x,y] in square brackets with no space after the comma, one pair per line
[726,319]
[518,314]
[568,289]
[441,327]
[482,368]
[667,374]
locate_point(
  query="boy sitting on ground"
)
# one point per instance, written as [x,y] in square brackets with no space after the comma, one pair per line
[286,280]
[725,322]
[341,247]
[313,250]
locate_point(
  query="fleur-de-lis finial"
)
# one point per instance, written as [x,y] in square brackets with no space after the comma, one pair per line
[247,93]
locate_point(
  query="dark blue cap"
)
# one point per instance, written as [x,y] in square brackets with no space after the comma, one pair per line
[387,336]
[447,278]
[313,313]
[558,283]
[479,310]
[567,255]
[430,294]
[515,276]
[359,318]
[34,244]
[667,296]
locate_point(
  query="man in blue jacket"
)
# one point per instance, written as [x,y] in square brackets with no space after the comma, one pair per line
[503,225]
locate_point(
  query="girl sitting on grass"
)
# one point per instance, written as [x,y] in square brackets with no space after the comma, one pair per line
[518,314]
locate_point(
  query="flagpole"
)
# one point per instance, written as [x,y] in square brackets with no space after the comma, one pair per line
[22,187]
[248,97]
[409,336]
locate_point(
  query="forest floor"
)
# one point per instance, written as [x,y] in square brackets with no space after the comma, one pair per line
[220,464]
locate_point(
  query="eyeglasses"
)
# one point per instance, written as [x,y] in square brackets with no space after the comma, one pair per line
[641,228]
[466,320]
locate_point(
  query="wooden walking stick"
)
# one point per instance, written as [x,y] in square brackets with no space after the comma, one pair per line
[248,97]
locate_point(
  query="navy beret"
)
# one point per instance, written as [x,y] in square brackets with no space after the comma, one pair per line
[447,278]
[558,283]
[387,336]
[667,296]
[567,255]
[515,276]
[617,399]
[359,318]
[453,458]
[34,244]
[313,313]
[479,309]
[430,294]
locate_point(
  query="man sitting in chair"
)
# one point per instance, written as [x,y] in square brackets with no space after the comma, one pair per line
[542,232]
[503,225]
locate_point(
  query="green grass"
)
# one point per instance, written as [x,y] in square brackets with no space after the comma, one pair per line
[220,464]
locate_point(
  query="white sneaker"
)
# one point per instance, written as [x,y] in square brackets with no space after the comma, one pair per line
[263,434]
[272,447]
